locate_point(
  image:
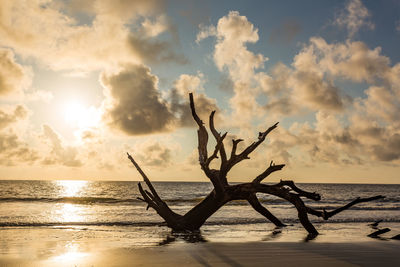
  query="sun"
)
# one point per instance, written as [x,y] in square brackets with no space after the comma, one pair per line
[80,116]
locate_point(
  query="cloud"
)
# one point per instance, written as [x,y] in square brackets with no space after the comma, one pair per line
[354,17]
[13,150]
[233,33]
[6,119]
[152,28]
[124,10]
[13,77]
[286,32]
[59,154]
[179,96]
[310,81]
[205,32]
[346,131]
[154,51]
[350,60]
[134,104]
[52,33]
[153,153]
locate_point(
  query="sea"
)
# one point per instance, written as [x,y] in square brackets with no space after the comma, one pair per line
[45,212]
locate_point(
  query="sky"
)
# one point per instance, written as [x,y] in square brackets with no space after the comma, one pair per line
[84,82]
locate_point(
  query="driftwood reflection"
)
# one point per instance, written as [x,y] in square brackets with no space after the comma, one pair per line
[186,236]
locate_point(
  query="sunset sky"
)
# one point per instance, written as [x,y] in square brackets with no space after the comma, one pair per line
[84,82]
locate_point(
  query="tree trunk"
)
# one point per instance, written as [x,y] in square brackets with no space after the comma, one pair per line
[223,192]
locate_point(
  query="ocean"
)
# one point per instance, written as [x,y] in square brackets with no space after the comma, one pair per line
[107,211]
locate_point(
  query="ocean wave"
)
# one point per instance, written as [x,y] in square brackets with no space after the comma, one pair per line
[329,205]
[244,221]
[72,200]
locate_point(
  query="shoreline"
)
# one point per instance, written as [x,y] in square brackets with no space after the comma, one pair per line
[372,253]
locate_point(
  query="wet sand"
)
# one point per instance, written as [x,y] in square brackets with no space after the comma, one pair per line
[373,253]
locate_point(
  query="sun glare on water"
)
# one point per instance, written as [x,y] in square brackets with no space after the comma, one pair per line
[70,188]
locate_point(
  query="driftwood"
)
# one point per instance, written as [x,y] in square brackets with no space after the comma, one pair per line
[223,192]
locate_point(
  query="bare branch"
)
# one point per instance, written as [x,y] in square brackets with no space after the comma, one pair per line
[146,198]
[201,133]
[327,214]
[217,137]
[301,193]
[272,168]
[263,211]
[245,153]
[261,138]
[145,178]
[235,142]
[218,147]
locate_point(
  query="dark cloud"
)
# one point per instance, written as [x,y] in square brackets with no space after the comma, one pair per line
[136,106]
[389,150]
[318,93]
[180,107]
[283,105]
[286,32]
[154,51]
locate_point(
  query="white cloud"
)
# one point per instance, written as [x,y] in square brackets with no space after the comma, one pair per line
[13,149]
[51,33]
[59,153]
[354,17]
[14,78]
[154,153]
[233,32]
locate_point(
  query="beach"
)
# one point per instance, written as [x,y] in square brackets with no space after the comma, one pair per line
[81,223]
[115,246]
[372,253]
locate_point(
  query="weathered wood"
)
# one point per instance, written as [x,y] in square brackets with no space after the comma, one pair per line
[223,192]
[253,200]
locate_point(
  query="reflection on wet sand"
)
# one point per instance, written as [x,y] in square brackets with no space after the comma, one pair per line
[72,254]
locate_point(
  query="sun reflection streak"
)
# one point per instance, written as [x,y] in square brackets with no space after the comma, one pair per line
[70,188]
[70,212]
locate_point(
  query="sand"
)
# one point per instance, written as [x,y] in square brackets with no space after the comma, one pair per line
[373,253]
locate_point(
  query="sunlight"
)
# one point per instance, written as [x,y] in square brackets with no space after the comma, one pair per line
[72,254]
[70,188]
[78,115]
[70,213]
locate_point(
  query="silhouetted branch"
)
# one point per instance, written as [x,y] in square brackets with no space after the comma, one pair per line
[272,168]
[145,178]
[217,137]
[327,214]
[302,193]
[246,152]
[263,211]
[201,134]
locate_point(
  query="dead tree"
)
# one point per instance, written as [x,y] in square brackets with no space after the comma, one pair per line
[223,192]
